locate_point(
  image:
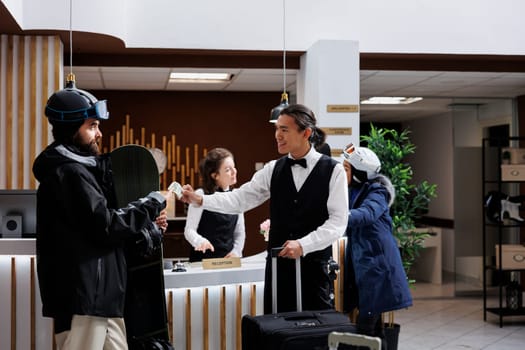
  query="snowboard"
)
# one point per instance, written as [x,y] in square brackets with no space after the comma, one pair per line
[135,175]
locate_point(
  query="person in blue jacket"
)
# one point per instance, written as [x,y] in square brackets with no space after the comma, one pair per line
[376,281]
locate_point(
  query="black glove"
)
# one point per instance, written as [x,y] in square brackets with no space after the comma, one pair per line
[150,241]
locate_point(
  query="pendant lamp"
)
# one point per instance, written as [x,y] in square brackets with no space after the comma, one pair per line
[276,111]
[70,80]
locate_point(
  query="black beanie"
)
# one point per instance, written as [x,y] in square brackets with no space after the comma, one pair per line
[63,132]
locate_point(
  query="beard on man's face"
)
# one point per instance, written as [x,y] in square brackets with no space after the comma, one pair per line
[93,149]
[90,147]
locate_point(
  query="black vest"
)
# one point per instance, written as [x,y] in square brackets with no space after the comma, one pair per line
[294,213]
[218,229]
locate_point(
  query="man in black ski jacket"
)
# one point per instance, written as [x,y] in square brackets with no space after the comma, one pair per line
[80,232]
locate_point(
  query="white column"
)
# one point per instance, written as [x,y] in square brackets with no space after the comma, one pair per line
[328,83]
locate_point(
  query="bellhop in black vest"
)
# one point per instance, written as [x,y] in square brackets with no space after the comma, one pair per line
[218,229]
[294,214]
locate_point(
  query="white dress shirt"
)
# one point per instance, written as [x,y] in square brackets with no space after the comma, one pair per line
[257,191]
[193,219]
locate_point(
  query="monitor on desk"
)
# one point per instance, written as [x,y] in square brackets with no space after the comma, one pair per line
[18,213]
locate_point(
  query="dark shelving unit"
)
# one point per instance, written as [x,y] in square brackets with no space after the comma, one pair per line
[492,181]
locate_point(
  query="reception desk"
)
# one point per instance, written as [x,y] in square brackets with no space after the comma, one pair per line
[21,323]
[204,307]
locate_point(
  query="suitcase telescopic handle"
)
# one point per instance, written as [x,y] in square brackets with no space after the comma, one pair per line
[299,301]
[336,338]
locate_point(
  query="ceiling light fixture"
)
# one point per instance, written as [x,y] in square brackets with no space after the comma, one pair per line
[177,77]
[276,111]
[390,100]
[70,79]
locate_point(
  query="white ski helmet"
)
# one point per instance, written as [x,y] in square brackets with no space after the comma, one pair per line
[363,159]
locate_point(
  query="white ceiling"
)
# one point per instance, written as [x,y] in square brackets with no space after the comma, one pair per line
[439,89]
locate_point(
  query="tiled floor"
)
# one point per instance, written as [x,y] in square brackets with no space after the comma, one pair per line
[437,320]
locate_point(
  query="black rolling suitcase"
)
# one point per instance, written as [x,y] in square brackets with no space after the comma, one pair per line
[292,330]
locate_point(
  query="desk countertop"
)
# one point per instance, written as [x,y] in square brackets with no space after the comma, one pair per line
[251,270]
[17,246]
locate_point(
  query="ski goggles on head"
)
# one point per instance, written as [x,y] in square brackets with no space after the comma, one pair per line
[99,110]
[353,156]
[348,151]
[362,159]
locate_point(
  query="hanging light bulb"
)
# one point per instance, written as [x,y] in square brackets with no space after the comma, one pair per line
[70,80]
[276,111]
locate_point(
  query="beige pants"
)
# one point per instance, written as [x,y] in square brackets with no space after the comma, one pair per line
[93,333]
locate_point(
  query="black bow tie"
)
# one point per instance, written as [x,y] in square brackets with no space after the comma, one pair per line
[301,162]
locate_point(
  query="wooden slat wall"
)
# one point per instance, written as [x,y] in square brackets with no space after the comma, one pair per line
[338,249]
[253,300]
[29,77]
[205,321]
[222,318]
[13,303]
[188,319]
[183,168]
[33,112]
[238,318]
[21,112]
[9,115]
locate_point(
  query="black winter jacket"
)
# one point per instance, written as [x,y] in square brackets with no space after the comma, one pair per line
[80,234]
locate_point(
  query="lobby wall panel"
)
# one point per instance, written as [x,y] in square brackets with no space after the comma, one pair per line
[30,70]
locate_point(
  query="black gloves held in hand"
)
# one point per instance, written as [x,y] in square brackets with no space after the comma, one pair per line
[150,240]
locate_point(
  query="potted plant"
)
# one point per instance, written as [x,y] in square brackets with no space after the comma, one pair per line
[411,200]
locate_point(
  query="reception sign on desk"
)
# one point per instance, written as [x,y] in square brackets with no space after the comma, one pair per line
[221,263]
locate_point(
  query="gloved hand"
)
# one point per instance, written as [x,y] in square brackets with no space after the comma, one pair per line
[151,240]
